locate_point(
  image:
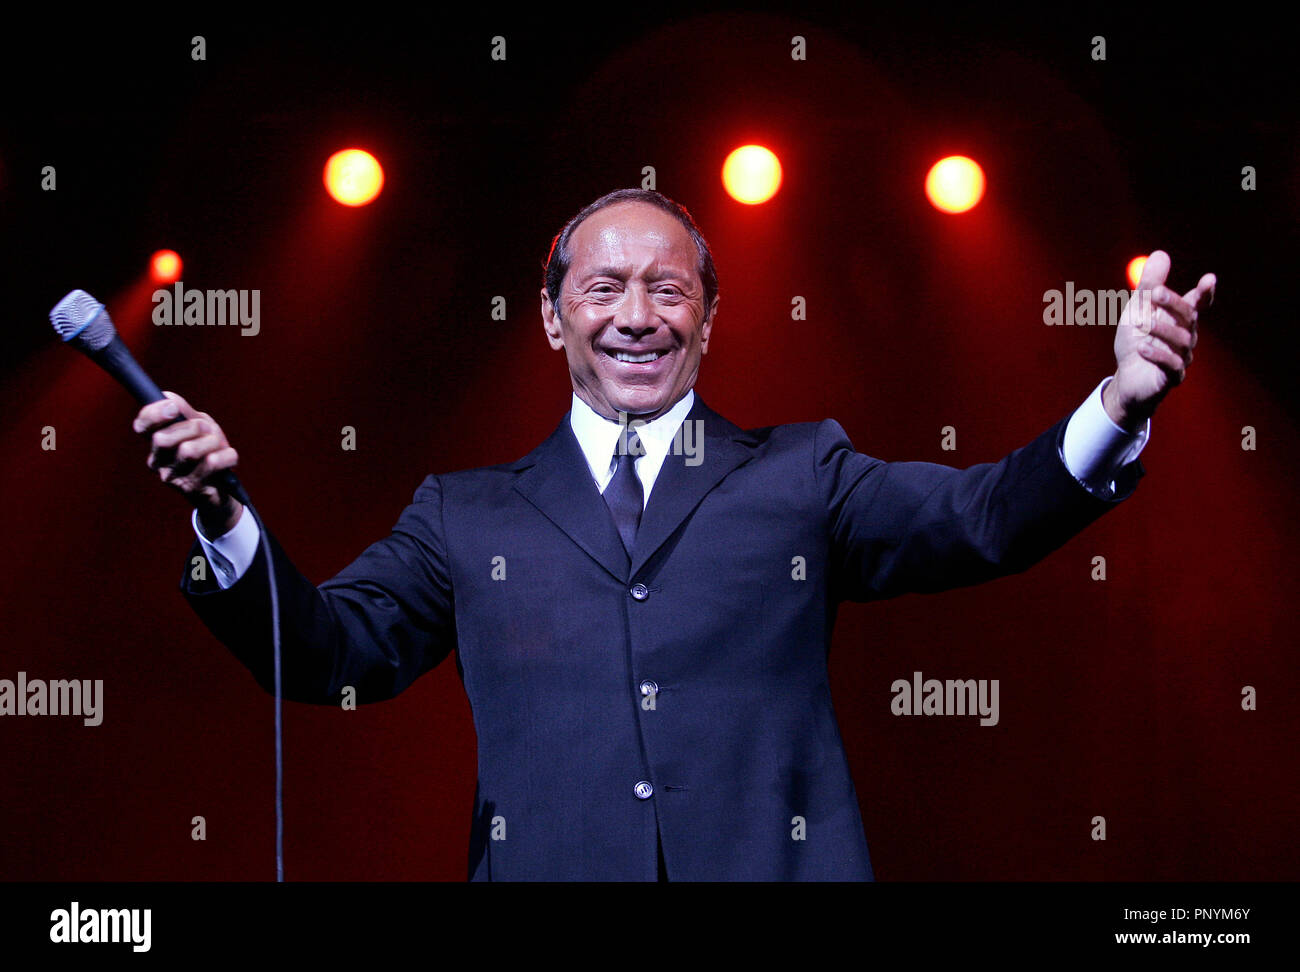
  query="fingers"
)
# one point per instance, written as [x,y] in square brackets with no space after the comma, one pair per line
[190,480]
[180,434]
[1165,321]
[1171,330]
[1179,339]
[1203,295]
[183,450]
[1154,271]
[1170,308]
[157,414]
[179,431]
[1198,299]
[226,458]
[193,452]
[1182,310]
[1157,352]
[1193,299]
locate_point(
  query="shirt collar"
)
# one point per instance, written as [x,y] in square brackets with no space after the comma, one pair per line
[598,435]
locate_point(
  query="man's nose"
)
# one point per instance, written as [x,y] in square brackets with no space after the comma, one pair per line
[635,309]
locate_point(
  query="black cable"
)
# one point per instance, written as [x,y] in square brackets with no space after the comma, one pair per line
[265,541]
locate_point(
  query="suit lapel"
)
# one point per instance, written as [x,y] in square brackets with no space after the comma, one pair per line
[679,488]
[558,482]
[554,478]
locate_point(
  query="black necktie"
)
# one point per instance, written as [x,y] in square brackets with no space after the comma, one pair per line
[623,495]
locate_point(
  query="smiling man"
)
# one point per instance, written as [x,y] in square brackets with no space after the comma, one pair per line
[644,639]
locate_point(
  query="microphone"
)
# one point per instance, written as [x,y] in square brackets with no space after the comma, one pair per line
[83,323]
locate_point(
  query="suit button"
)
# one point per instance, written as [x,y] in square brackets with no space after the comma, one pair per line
[644,791]
[640,592]
[649,688]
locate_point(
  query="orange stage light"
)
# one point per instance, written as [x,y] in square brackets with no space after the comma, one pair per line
[955,184]
[752,174]
[165,266]
[353,177]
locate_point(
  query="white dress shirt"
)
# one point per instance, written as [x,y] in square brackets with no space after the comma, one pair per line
[1094,448]
[598,435]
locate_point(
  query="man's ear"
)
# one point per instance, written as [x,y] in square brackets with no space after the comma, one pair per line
[708,326]
[551,323]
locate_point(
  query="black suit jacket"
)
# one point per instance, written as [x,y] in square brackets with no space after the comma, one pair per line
[683,693]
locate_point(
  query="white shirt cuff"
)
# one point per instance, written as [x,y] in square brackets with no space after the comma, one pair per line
[232,553]
[1095,447]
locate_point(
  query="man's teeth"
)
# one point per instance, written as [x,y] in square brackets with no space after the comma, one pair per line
[638,358]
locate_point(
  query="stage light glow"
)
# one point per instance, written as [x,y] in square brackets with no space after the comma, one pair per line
[955,184]
[353,177]
[165,266]
[752,174]
[1134,271]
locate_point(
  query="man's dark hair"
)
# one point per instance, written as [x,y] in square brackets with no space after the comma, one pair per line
[557,262]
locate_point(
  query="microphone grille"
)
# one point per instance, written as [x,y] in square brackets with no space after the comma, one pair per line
[83,322]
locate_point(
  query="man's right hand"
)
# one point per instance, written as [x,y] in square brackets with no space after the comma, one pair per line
[187,448]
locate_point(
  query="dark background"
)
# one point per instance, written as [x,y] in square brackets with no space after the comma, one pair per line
[1118,698]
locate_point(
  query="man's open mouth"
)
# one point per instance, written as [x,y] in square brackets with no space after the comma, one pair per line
[628,357]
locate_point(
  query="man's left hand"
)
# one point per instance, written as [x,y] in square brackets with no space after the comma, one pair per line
[1153,343]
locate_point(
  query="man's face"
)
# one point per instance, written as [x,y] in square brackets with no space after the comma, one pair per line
[632,289]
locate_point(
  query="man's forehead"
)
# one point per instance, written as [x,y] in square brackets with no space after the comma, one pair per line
[620,229]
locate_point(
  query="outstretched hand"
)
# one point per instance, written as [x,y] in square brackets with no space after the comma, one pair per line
[1153,343]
